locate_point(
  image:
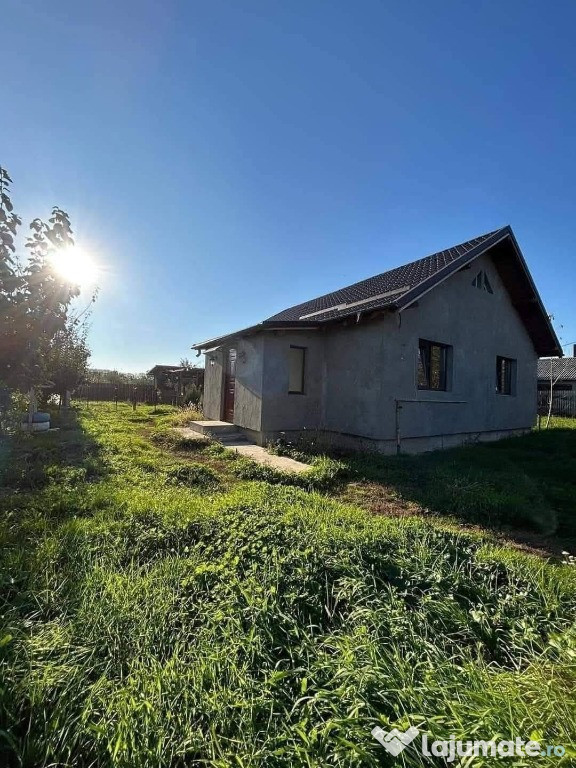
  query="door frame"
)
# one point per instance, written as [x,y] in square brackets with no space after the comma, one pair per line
[225,376]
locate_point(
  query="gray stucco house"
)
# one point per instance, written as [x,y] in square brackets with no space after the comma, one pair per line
[435,353]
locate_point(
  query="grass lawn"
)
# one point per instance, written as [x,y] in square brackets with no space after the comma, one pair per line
[164,603]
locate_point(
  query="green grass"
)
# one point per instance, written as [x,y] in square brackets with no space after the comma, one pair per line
[524,482]
[158,607]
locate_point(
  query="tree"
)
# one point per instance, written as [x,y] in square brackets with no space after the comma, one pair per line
[66,362]
[108,376]
[34,299]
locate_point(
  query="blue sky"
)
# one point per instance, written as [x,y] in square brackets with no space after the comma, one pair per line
[226,159]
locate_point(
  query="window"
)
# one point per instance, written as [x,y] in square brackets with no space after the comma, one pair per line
[505,376]
[296,363]
[432,365]
[481,282]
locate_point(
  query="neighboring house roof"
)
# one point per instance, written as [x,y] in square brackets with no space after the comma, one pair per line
[169,369]
[564,368]
[162,369]
[398,288]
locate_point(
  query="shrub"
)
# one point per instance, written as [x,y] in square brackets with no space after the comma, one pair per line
[185,415]
[193,396]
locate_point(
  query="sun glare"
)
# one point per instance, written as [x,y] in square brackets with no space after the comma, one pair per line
[75,266]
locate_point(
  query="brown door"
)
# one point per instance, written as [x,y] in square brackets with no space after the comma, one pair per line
[229,386]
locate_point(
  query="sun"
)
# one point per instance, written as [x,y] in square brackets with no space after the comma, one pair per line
[74,265]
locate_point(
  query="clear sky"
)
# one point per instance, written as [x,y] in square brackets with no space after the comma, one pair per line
[228,158]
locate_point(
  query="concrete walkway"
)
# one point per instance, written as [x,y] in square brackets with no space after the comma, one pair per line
[250,451]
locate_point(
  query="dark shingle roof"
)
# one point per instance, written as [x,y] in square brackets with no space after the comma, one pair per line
[379,291]
[401,287]
[562,368]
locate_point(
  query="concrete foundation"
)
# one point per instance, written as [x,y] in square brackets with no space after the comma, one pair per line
[326,440]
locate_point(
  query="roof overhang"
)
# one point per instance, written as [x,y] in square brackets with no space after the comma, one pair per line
[515,275]
[218,341]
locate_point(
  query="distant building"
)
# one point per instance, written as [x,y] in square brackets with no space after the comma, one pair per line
[173,382]
[560,370]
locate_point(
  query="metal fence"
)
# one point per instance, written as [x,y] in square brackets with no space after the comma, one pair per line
[104,391]
[563,403]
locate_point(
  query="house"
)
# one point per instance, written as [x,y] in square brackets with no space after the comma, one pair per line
[435,353]
[173,382]
[559,376]
[561,373]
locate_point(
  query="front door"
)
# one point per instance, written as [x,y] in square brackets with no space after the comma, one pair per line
[229,386]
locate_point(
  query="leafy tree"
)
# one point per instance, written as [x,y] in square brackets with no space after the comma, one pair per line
[185,363]
[66,362]
[108,376]
[34,299]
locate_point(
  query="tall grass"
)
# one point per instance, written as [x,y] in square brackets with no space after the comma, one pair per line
[147,620]
[523,481]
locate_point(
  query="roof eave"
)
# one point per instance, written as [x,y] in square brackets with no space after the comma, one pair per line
[219,340]
[266,325]
[411,296]
[556,348]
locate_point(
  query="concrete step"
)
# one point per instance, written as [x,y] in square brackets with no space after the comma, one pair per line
[213,428]
[233,438]
[220,430]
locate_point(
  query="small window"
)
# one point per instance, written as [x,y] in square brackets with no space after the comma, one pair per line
[296,364]
[481,282]
[505,375]
[432,365]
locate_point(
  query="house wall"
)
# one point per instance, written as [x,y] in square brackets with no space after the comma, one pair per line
[213,384]
[373,364]
[282,411]
[248,394]
[355,374]
[249,372]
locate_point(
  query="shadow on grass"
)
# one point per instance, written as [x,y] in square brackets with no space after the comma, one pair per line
[520,484]
[66,455]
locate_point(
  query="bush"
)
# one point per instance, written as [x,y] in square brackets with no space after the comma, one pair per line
[185,415]
[193,396]
[12,404]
